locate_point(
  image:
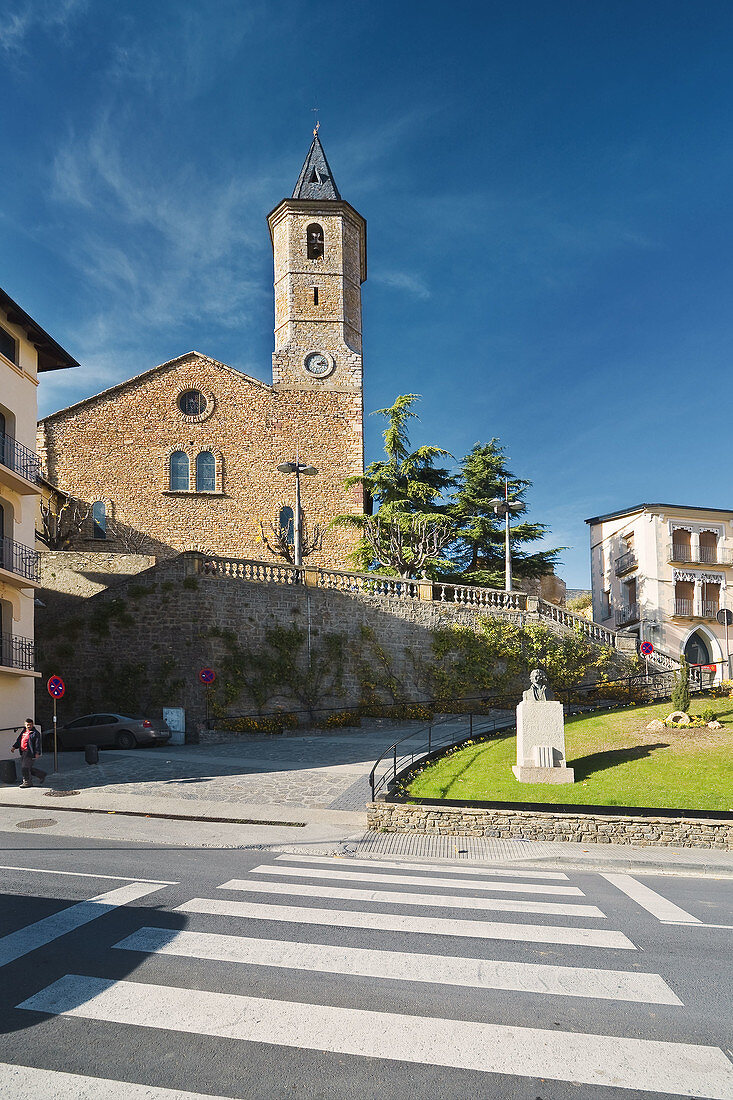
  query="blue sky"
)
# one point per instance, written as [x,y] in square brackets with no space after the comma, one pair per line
[547,188]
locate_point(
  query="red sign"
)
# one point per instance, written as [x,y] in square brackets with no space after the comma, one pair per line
[207,675]
[56,687]
[647,649]
[710,668]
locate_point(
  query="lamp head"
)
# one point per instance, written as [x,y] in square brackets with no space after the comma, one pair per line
[287,467]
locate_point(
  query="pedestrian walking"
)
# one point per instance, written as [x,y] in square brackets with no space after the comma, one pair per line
[29,744]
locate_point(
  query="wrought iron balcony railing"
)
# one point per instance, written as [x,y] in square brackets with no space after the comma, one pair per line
[710,609]
[628,614]
[17,652]
[18,458]
[703,555]
[684,608]
[20,559]
[626,563]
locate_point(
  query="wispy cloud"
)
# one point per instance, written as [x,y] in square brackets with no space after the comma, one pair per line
[16,25]
[159,250]
[411,283]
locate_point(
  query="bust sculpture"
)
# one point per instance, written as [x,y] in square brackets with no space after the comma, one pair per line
[538,692]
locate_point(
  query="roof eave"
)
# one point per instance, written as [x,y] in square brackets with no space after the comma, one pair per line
[51,356]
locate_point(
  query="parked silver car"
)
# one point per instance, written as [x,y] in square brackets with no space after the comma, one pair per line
[109,729]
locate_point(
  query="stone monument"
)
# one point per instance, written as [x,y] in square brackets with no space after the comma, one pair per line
[541,736]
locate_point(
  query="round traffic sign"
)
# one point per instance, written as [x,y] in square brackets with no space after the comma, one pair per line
[647,649]
[56,687]
[725,617]
[207,675]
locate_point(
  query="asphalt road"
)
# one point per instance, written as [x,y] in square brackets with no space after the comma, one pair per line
[232,973]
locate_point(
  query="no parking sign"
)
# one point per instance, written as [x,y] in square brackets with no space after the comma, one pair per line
[56,687]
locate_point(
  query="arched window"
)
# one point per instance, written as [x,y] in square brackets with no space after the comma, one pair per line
[179,471]
[286,524]
[205,472]
[314,239]
[99,520]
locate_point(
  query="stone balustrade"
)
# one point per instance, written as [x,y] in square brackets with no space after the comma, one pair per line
[560,615]
[492,600]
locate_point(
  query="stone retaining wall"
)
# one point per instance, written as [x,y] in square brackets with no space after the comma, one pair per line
[390,817]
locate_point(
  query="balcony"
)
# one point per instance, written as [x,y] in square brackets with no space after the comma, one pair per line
[626,563]
[683,609]
[17,654]
[704,555]
[626,615]
[19,560]
[19,467]
[709,609]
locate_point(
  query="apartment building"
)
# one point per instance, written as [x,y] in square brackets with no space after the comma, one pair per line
[661,572]
[26,351]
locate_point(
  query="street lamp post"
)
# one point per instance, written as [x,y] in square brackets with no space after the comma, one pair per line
[504,507]
[297,468]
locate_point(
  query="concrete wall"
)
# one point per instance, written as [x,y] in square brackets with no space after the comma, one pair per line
[67,575]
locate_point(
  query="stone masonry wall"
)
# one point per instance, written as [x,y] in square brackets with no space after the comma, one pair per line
[530,825]
[116,447]
[141,643]
[66,575]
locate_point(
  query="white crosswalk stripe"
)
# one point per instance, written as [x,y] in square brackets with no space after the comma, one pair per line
[419,880]
[393,865]
[679,1069]
[564,981]
[394,922]
[161,999]
[30,1083]
[389,897]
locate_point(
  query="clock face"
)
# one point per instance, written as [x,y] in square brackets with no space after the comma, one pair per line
[317,364]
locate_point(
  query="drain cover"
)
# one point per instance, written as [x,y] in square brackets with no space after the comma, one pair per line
[59,794]
[36,823]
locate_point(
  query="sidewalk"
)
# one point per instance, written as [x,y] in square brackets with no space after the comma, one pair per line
[305,794]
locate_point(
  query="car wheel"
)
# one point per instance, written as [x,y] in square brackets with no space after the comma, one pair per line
[125,740]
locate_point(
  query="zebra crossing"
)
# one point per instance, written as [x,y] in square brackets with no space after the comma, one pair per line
[426,917]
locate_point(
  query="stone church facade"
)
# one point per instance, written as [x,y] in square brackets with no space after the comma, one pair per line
[186,453]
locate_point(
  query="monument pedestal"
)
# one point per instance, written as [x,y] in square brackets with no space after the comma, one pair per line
[541,743]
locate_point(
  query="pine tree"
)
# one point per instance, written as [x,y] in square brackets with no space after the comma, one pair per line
[405,488]
[477,554]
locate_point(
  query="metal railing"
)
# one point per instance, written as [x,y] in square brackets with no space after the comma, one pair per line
[628,614]
[397,761]
[710,609]
[20,559]
[703,555]
[21,460]
[684,608]
[443,733]
[17,652]
[626,563]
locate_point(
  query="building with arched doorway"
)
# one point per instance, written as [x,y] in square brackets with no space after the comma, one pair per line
[662,572]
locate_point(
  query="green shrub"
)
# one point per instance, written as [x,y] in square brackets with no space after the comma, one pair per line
[681,692]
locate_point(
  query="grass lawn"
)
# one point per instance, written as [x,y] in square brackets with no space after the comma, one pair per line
[617,763]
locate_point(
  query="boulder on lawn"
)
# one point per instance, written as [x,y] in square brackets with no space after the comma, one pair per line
[677,718]
[655,724]
[714,726]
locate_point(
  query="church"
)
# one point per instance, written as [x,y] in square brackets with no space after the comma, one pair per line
[185,455]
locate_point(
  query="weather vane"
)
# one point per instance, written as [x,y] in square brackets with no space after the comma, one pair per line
[318,124]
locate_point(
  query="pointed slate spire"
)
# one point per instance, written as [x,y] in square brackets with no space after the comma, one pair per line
[315,180]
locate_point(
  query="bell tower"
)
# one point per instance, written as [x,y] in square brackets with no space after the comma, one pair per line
[319,245]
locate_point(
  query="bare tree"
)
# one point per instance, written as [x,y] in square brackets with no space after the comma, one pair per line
[277,540]
[130,538]
[62,518]
[407,544]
